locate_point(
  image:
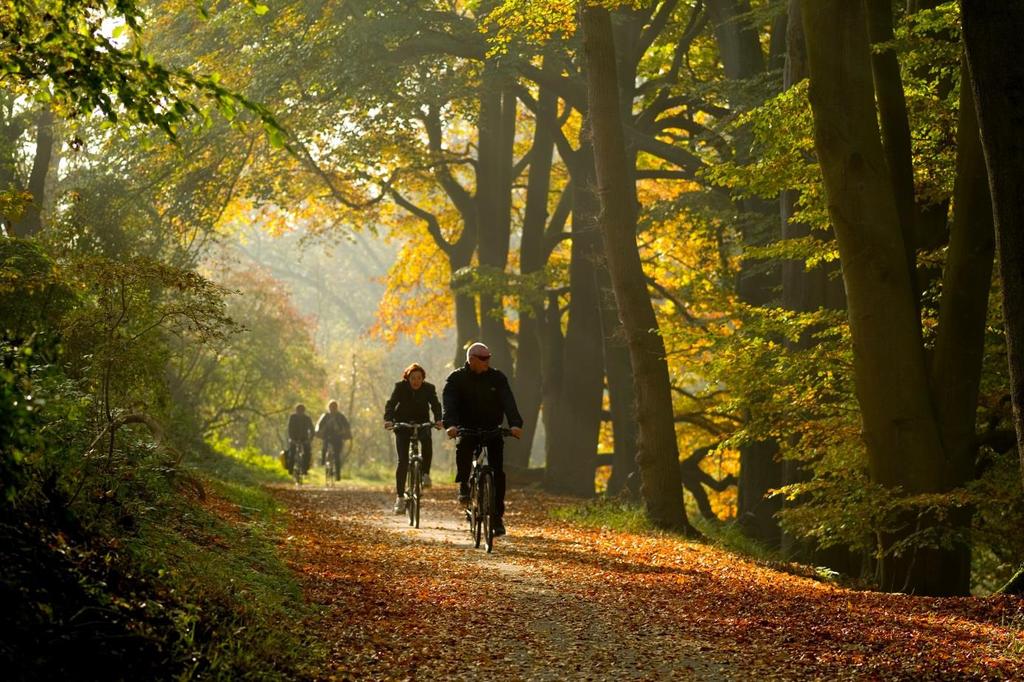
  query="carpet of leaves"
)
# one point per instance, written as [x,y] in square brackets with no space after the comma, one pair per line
[558,601]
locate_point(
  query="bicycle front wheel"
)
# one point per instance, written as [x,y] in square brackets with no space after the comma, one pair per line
[476,505]
[412,505]
[418,491]
[487,510]
[296,458]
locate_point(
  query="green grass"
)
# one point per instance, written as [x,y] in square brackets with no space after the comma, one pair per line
[1015,624]
[236,605]
[604,512]
[150,569]
[726,535]
[628,516]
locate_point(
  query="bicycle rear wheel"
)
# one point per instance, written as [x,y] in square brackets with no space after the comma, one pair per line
[487,510]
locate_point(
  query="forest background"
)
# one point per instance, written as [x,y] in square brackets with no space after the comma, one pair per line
[216,210]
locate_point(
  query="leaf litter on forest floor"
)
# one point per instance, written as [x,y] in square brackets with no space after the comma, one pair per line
[561,601]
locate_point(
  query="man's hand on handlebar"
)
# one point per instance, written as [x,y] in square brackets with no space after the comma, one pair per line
[389,425]
[515,431]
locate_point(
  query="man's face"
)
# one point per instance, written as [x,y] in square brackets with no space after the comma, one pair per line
[334,408]
[416,380]
[480,361]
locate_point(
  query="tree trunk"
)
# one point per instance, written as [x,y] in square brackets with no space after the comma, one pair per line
[32,220]
[993,36]
[552,371]
[528,379]
[621,395]
[738,42]
[572,438]
[467,326]
[963,310]
[805,291]
[742,59]
[892,106]
[658,457]
[901,437]
[494,186]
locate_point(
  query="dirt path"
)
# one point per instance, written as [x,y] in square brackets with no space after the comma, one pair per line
[557,602]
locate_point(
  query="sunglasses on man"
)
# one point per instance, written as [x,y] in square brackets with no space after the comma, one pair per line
[485,358]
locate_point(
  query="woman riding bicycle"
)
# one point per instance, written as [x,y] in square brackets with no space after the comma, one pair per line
[411,401]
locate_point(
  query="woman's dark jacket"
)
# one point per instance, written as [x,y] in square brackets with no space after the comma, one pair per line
[479,401]
[407,405]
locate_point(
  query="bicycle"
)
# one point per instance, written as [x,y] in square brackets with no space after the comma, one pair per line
[296,455]
[414,472]
[482,512]
[332,461]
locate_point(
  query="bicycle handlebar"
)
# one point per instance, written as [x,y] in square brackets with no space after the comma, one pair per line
[484,433]
[407,425]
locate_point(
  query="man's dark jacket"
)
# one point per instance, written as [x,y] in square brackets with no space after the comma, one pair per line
[478,401]
[300,427]
[412,406]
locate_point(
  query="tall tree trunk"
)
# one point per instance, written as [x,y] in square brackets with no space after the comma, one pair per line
[573,433]
[621,394]
[993,36]
[740,52]
[658,457]
[902,439]
[494,186]
[738,42]
[467,328]
[963,309]
[892,107]
[529,366]
[552,356]
[31,220]
[805,291]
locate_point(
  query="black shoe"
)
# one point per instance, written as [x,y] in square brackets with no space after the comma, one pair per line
[463,499]
[499,528]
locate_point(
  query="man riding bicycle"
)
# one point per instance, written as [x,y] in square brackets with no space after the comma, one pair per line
[479,397]
[411,402]
[300,433]
[333,428]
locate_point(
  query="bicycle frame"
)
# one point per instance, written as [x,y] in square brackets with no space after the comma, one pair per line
[332,457]
[414,472]
[482,511]
[297,454]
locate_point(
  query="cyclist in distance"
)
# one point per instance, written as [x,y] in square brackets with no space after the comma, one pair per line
[476,396]
[300,431]
[333,428]
[411,401]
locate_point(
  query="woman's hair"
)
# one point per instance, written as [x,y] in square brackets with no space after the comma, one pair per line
[333,403]
[414,367]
